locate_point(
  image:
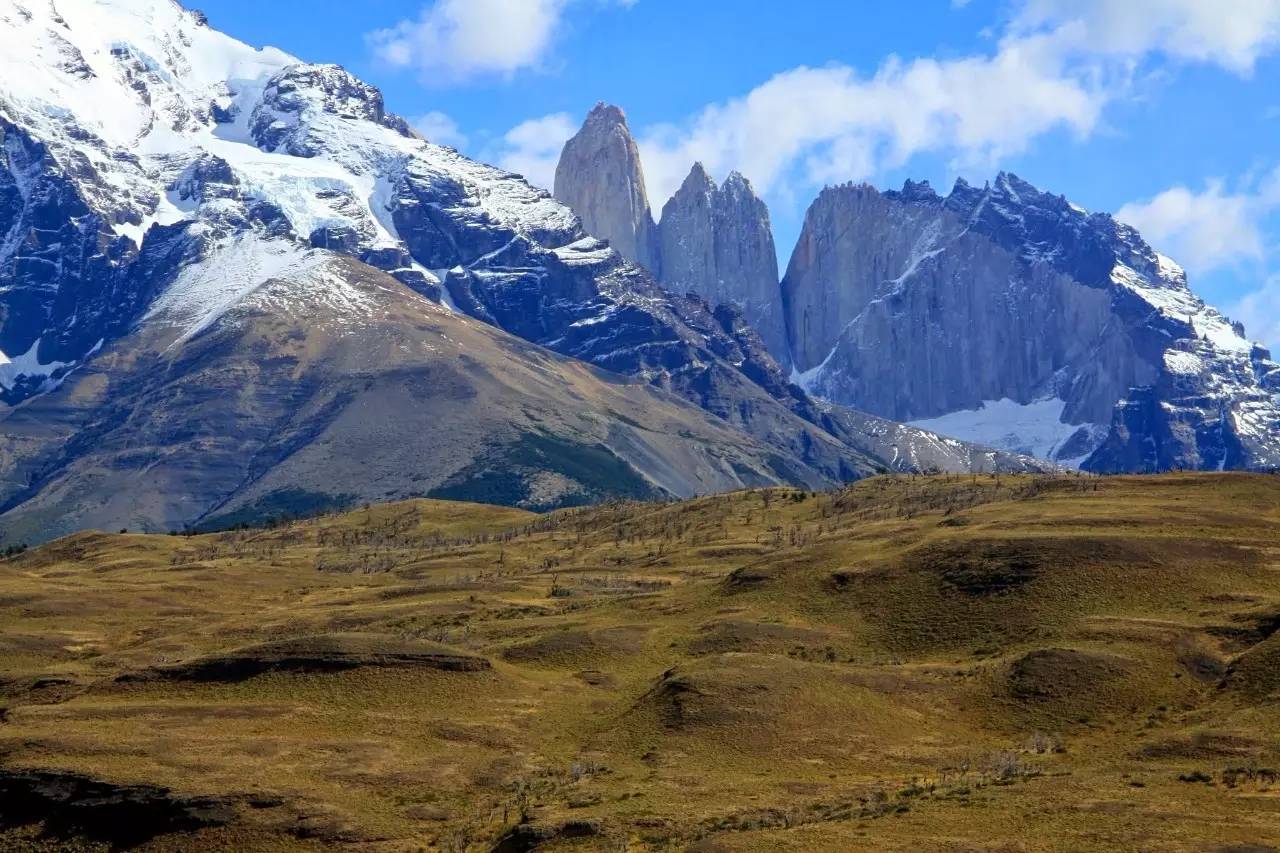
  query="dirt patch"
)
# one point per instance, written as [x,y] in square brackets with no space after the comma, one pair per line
[531,836]
[748,578]
[1072,685]
[732,693]
[39,690]
[986,568]
[1250,628]
[678,700]
[332,653]
[1256,673]
[1203,666]
[596,678]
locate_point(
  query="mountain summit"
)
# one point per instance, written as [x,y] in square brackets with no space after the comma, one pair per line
[717,242]
[1008,315]
[713,241]
[600,177]
[233,285]
[1002,315]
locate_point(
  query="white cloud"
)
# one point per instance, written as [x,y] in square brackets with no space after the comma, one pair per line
[457,39]
[532,148]
[1260,313]
[454,40]
[1057,67]
[1230,33]
[440,129]
[837,125]
[1202,230]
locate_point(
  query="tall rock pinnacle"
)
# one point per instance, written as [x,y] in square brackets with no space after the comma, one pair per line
[717,242]
[714,241]
[600,177]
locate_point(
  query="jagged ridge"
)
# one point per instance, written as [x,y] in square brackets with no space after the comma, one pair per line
[170,197]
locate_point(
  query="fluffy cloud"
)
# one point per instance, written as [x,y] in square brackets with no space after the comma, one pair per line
[532,148]
[1204,230]
[1260,313]
[836,125]
[454,40]
[440,129]
[1057,66]
[1230,33]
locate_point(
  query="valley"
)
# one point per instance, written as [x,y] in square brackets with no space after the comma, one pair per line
[957,662]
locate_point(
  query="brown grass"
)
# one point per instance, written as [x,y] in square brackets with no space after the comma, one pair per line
[909,664]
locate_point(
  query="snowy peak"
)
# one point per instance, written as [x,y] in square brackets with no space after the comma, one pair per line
[298,96]
[137,140]
[119,68]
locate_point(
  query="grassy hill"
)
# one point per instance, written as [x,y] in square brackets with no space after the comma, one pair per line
[954,663]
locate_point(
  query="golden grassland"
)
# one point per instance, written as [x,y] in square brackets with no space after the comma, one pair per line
[943,663]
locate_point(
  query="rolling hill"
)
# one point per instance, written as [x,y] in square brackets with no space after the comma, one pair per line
[909,663]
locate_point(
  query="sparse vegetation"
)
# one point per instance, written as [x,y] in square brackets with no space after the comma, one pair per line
[908,663]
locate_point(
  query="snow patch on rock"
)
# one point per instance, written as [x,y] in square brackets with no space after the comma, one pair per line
[1034,429]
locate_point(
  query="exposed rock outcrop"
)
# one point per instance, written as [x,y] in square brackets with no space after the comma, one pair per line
[600,177]
[717,242]
[714,241]
[913,306]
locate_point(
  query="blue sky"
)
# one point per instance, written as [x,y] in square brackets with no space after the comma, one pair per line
[1165,111]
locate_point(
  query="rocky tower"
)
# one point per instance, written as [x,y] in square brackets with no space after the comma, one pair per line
[1009,316]
[599,176]
[717,242]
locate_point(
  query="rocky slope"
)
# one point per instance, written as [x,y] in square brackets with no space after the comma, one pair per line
[333,384]
[232,282]
[1009,315]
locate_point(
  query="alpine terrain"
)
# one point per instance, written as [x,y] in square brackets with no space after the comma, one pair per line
[998,314]
[233,286]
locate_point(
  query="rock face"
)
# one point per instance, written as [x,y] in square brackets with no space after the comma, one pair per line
[713,241]
[1008,315]
[717,242]
[600,177]
[232,286]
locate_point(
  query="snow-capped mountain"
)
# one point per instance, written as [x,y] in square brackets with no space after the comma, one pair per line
[232,282]
[1009,316]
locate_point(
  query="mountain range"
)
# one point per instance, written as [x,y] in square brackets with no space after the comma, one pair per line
[1000,314]
[234,286]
